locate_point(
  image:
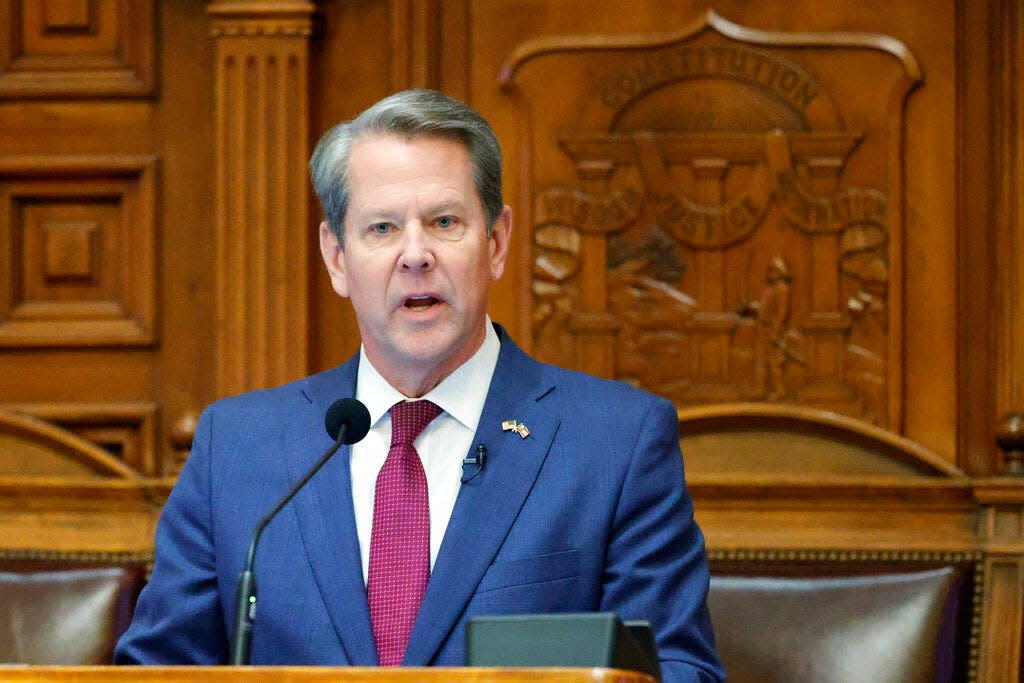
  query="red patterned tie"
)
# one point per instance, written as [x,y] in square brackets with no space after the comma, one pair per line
[400,541]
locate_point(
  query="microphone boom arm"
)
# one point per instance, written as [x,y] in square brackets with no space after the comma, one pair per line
[347,422]
[246,604]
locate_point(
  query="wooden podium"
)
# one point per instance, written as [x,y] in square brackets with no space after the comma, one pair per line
[303,674]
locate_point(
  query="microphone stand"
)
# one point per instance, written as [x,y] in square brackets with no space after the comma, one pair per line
[245,607]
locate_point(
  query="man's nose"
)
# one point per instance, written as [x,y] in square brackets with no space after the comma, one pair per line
[417,248]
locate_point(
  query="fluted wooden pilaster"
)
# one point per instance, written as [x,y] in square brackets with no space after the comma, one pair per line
[262,227]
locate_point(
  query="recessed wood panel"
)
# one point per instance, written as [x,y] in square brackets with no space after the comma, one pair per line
[77,238]
[79,48]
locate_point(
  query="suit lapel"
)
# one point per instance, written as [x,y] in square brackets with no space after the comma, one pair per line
[488,504]
[327,521]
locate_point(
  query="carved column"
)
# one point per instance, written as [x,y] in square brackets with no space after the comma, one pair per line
[262,224]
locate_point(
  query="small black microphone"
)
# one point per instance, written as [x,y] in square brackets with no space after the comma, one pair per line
[472,465]
[347,421]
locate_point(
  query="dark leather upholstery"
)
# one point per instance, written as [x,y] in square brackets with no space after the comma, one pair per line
[71,616]
[885,627]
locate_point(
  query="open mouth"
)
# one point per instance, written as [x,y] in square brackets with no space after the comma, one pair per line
[420,303]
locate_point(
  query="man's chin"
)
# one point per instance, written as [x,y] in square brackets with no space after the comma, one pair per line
[427,349]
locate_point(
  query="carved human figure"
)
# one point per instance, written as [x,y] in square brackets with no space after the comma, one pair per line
[772,313]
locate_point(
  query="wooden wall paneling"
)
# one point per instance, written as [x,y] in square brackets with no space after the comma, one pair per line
[105,266]
[78,48]
[429,45]
[929,283]
[262,214]
[708,249]
[1001,620]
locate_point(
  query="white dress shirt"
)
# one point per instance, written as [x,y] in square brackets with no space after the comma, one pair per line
[442,444]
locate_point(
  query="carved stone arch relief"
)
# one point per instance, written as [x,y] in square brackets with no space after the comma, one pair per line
[717,213]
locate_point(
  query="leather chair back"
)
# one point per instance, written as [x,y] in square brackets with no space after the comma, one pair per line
[67,616]
[898,626]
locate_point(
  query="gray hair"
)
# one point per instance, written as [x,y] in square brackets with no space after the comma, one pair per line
[408,114]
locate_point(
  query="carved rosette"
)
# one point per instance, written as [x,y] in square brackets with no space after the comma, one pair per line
[262,221]
[702,234]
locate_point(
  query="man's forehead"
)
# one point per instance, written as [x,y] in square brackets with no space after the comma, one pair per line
[393,155]
[381,172]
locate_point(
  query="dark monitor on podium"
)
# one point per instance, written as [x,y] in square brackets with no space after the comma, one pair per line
[571,640]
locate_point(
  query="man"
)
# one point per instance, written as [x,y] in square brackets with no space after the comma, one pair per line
[578,505]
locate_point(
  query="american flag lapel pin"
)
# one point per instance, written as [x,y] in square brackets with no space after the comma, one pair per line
[515,426]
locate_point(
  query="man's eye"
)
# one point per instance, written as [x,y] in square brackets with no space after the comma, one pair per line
[445,222]
[380,228]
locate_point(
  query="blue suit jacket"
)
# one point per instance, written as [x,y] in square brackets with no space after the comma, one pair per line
[589,513]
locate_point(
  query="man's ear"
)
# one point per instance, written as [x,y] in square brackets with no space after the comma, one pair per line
[499,242]
[334,259]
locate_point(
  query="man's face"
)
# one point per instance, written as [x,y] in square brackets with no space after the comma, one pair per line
[417,262]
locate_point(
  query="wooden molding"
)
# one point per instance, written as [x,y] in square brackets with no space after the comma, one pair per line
[709,19]
[264,18]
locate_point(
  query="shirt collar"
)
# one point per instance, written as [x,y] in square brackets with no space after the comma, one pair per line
[461,394]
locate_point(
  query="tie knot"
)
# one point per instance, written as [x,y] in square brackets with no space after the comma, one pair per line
[408,418]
